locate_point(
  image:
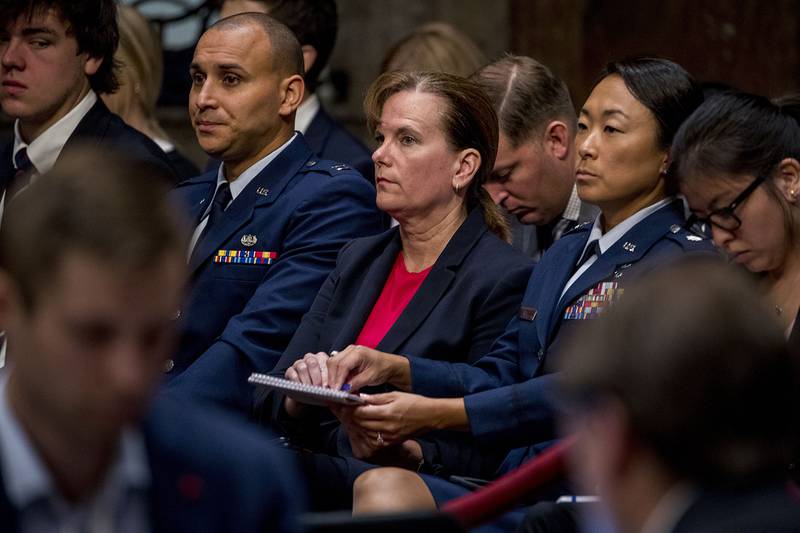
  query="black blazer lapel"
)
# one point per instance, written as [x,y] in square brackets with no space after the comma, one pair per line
[272,179]
[367,292]
[7,165]
[91,129]
[436,282]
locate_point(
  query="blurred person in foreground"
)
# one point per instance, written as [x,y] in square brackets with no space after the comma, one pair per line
[534,174]
[141,71]
[686,424]
[315,23]
[92,267]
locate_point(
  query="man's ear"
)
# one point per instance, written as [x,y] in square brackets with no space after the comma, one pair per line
[556,139]
[469,160]
[788,179]
[92,65]
[292,90]
[309,56]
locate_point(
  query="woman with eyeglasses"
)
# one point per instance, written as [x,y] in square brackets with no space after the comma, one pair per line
[737,162]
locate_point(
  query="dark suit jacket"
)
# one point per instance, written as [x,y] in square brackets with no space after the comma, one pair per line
[768,508]
[208,474]
[103,130]
[239,317]
[510,392]
[466,300]
[331,141]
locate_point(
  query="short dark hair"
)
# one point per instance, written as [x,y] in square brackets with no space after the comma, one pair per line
[708,383]
[315,23]
[526,95]
[287,57]
[106,205]
[92,22]
[662,86]
[468,121]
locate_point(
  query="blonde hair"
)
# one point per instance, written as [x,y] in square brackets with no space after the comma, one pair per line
[141,70]
[436,46]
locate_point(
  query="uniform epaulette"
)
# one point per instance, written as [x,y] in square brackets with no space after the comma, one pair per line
[687,239]
[323,165]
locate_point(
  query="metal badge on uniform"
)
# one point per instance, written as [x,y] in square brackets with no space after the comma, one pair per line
[527,313]
[629,247]
[594,302]
[340,167]
[693,238]
[311,163]
[262,191]
[249,240]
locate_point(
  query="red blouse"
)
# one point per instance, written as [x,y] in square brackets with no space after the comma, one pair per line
[400,287]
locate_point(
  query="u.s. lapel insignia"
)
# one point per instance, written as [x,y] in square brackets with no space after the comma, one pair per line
[262,191]
[629,247]
[249,240]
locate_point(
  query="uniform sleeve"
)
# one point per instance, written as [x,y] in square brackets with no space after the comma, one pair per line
[254,340]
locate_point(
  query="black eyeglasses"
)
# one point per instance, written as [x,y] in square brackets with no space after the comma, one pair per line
[723,218]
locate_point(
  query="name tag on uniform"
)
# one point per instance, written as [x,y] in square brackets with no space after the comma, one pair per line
[594,302]
[527,313]
[245,257]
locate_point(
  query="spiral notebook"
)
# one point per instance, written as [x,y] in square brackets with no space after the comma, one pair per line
[310,394]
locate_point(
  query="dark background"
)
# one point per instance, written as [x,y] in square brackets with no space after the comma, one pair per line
[752,45]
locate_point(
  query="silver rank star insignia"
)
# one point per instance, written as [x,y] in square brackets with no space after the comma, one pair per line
[249,240]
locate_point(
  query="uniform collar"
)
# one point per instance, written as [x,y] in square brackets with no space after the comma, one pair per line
[44,150]
[608,239]
[306,113]
[244,179]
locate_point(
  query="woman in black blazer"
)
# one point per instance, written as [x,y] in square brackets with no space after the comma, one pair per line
[437,138]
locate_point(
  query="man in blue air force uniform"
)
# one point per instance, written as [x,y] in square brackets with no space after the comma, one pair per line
[268,224]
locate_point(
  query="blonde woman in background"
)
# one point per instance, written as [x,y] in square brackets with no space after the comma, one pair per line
[436,46]
[140,72]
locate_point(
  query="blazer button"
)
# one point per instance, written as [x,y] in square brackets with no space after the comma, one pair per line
[169,364]
[540,354]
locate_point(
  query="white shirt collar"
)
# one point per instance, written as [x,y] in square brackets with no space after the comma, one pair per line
[306,113]
[27,479]
[45,149]
[244,179]
[608,239]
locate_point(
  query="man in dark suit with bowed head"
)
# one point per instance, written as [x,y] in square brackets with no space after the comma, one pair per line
[268,224]
[315,24]
[92,267]
[55,58]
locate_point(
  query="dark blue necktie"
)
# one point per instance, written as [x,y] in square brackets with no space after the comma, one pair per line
[22,175]
[222,197]
[591,250]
